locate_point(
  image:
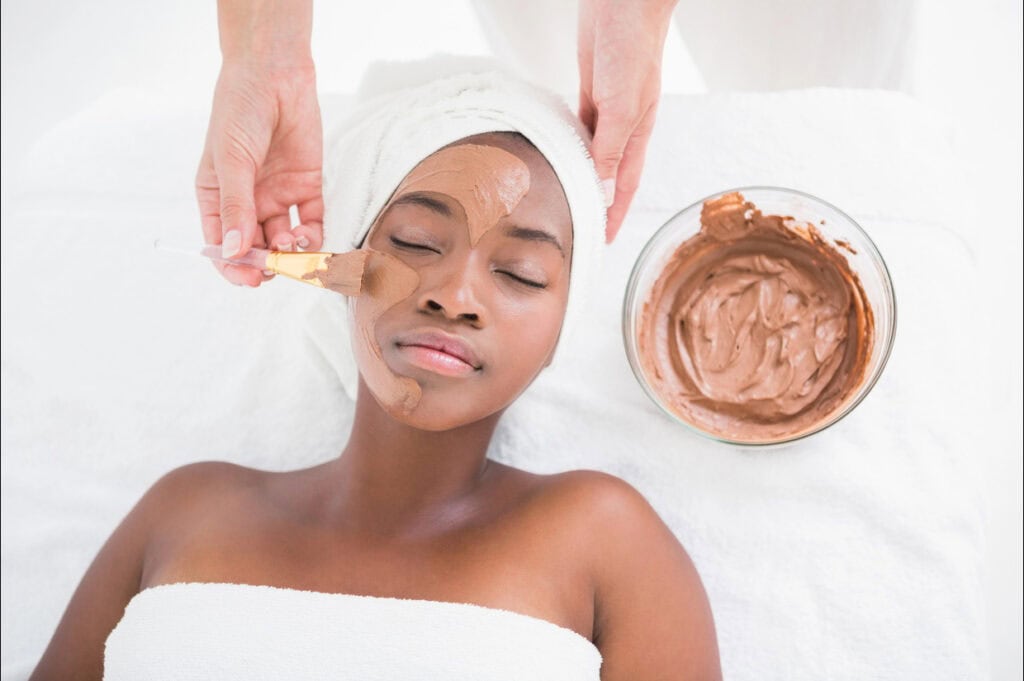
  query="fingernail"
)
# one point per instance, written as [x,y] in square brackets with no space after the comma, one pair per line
[303,241]
[268,273]
[232,244]
[609,191]
[285,246]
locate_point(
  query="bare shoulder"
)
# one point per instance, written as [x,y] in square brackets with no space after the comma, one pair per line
[603,500]
[592,486]
[75,650]
[206,475]
[185,485]
[196,497]
[652,618]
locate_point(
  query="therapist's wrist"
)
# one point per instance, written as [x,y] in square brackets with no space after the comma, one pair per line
[271,35]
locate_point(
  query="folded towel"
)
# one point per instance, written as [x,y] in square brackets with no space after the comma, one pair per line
[193,631]
[404,112]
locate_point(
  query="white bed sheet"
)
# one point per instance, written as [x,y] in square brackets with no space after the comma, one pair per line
[855,554]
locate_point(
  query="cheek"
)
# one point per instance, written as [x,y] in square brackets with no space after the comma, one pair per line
[363,325]
[388,282]
[529,337]
[360,316]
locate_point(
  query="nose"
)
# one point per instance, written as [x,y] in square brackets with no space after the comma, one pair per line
[453,293]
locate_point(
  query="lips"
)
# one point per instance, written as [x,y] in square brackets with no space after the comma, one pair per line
[447,343]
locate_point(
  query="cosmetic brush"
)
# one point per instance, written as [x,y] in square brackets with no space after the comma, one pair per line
[340,272]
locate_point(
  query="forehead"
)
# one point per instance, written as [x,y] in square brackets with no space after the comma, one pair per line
[506,168]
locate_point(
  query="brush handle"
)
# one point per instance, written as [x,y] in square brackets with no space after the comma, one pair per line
[339,272]
[255,257]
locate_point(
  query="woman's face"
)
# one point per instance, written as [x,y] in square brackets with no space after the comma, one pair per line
[486,226]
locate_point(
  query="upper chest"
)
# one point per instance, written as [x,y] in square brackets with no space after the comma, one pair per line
[521,556]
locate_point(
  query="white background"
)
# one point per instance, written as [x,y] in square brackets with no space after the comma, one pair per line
[965,61]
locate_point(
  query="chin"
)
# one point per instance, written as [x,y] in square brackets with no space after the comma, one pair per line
[437,412]
[437,415]
[444,404]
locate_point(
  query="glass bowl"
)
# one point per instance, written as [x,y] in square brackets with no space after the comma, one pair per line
[835,226]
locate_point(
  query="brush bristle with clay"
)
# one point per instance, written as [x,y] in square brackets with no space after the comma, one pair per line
[339,272]
[362,272]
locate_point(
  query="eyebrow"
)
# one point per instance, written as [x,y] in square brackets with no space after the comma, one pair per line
[532,234]
[421,199]
[442,208]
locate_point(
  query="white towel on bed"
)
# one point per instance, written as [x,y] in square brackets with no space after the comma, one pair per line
[852,555]
[406,111]
[236,632]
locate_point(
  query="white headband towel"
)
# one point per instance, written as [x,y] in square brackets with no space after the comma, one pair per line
[404,112]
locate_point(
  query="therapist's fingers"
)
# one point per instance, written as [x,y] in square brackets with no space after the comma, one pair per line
[208,198]
[278,232]
[236,177]
[228,217]
[309,233]
[215,225]
[612,131]
[620,51]
[240,275]
[587,112]
[266,275]
[243,275]
[629,172]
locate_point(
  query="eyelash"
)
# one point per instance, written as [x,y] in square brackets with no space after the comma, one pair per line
[406,244]
[525,282]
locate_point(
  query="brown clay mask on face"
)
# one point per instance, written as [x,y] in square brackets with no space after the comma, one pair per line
[488,182]
[386,282]
[341,272]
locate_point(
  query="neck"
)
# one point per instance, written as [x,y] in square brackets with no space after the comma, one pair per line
[395,479]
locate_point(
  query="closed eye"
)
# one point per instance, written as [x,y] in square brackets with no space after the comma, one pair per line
[533,284]
[410,246]
[419,247]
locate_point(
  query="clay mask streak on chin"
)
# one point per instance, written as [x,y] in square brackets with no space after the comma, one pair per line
[488,182]
[387,282]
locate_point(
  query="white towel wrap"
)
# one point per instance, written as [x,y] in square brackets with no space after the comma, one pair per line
[217,631]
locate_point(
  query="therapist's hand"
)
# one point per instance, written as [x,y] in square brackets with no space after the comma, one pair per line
[620,50]
[264,144]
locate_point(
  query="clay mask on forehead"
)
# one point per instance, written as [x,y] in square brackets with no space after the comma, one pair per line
[488,182]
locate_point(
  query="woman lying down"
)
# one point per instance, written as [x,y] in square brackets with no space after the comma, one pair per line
[412,555]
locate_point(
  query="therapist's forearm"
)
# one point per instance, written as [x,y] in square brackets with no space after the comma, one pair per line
[271,33]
